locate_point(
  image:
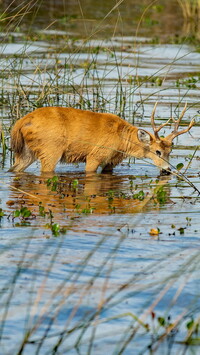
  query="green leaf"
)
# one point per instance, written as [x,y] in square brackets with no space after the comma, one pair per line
[181,230]
[75,183]
[16,213]
[41,210]
[55,228]
[161,195]
[1,213]
[161,321]
[190,324]
[53,183]
[27,213]
[179,166]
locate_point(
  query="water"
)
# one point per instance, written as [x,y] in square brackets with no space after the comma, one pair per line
[82,273]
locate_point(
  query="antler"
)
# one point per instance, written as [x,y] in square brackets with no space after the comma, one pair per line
[157,129]
[175,132]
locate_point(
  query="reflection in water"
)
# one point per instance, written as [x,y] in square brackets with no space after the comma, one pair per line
[93,193]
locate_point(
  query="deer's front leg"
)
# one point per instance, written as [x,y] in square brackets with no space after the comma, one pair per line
[91,165]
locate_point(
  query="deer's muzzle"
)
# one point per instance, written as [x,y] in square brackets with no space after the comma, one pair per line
[165,171]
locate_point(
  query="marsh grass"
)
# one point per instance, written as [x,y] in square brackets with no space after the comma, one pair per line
[58,319]
[4,145]
[191,9]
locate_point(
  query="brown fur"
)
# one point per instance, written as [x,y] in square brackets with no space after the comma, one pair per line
[53,134]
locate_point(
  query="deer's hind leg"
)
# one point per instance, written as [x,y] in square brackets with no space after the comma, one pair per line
[50,159]
[23,161]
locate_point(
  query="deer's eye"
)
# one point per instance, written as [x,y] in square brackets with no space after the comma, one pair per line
[158,153]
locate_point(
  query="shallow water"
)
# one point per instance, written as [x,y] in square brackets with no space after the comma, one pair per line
[84,260]
[48,267]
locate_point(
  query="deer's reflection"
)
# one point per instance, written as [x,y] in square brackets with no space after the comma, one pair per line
[91,193]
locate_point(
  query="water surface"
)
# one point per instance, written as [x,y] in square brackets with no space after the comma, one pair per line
[82,273]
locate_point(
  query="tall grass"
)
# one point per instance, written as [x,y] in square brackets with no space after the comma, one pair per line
[191,9]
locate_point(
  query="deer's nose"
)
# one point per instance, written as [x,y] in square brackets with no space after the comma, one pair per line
[165,172]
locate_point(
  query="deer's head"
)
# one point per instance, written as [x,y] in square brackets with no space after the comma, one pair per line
[157,148]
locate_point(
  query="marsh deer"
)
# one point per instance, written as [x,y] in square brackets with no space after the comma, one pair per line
[70,135]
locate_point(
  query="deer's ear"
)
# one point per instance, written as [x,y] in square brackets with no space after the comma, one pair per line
[144,136]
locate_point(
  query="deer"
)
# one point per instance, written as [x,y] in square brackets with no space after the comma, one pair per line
[70,135]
